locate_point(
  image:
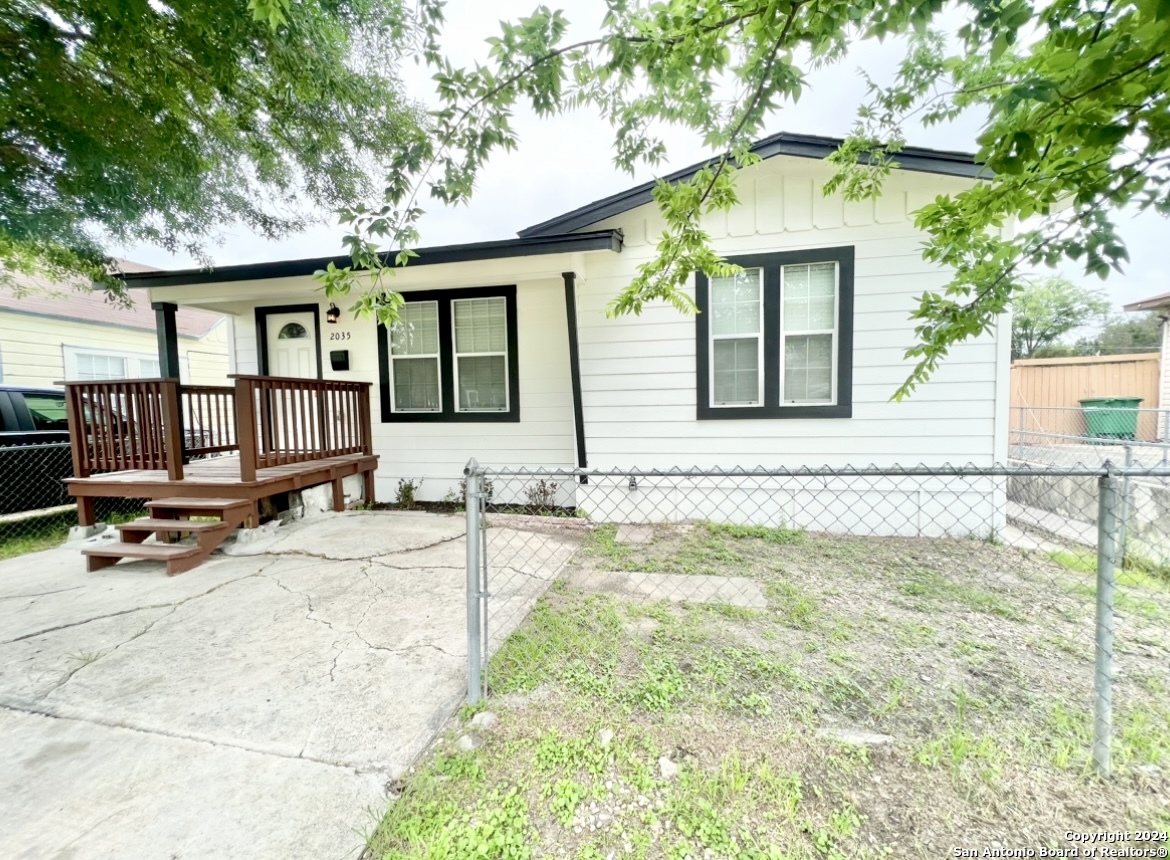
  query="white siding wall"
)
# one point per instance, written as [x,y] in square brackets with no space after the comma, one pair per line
[1164,392]
[638,373]
[437,452]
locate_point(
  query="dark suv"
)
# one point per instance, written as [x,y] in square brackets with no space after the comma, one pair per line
[34,449]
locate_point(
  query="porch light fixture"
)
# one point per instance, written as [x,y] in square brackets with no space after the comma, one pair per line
[333,314]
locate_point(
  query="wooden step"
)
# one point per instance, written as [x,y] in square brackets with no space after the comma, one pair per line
[197,506]
[153,551]
[150,524]
[167,521]
[209,533]
[179,558]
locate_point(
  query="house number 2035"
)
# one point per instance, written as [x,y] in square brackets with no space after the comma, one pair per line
[339,335]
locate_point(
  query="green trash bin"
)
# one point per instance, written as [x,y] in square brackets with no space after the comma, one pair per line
[1111,417]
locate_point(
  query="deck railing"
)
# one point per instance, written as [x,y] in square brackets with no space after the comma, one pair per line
[297,420]
[124,424]
[161,424]
[209,420]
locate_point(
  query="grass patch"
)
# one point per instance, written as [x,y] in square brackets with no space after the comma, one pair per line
[709,549]
[1141,589]
[33,535]
[756,712]
[932,586]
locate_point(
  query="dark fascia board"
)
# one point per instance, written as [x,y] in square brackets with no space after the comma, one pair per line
[947,163]
[599,240]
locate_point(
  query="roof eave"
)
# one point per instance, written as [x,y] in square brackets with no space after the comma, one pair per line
[943,162]
[599,240]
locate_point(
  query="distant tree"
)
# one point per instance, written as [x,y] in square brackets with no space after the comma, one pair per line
[1047,310]
[164,123]
[1121,335]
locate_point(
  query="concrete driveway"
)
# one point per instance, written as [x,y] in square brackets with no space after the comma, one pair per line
[255,707]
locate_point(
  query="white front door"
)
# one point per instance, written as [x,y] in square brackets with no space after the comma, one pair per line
[292,345]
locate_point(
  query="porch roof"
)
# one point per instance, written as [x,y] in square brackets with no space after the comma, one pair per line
[599,240]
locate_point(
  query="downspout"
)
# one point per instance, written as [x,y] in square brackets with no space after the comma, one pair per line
[575,370]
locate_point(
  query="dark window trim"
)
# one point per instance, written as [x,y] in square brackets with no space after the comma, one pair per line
[772,408]
[447,414]
[262,315]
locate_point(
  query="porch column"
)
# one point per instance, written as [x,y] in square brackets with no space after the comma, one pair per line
[168,339]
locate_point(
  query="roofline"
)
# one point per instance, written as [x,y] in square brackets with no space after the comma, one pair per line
[945,162]
[600,240]
[104,324]
[1150,304]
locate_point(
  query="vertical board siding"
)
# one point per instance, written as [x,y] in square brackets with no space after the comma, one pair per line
[638,372]
[1046,392]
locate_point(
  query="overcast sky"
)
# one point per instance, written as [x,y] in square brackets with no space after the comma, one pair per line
[566,161]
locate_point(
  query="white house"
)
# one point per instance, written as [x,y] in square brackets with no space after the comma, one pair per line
[506,354]
[1161,306]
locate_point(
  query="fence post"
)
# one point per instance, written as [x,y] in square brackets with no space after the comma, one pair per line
[474,653]
[1125,507]
[1103,678]
[1165,436]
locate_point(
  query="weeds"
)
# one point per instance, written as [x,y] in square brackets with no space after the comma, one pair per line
[404,496]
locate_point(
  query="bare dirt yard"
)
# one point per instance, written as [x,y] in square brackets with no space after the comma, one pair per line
[718,691]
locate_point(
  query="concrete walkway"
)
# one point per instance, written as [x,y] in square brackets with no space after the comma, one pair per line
[255,707]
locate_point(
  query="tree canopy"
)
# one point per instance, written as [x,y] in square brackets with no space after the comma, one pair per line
[165,121]
[1075,94]
[1047,310]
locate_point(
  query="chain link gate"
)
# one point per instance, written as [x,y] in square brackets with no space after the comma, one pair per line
[563,564]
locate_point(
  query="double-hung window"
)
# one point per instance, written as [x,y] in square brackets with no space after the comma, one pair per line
[452,357]
[415,360]
[775,340]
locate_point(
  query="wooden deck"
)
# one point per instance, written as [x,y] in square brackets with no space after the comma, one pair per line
[218,477]
[260,437]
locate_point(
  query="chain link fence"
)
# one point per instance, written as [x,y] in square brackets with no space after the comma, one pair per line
[35,510]
[1021,607]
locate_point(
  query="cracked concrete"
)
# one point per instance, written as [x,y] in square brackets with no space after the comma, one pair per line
[254,707]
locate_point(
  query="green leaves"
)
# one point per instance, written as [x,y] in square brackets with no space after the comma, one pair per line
[1077,127]
[135,123]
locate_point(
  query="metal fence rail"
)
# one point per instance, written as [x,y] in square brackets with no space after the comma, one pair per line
[35,510]
[1002,571]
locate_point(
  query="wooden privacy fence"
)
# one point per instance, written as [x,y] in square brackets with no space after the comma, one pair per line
[1046,392]
[162,424]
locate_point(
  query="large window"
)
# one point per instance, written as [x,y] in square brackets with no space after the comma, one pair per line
[452,357]
[776,339]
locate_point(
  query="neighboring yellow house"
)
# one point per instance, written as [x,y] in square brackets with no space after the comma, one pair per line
[66,334]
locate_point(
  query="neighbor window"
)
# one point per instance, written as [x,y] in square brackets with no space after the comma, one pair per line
[775,340]
[91,366]
[452,357]
[96,365]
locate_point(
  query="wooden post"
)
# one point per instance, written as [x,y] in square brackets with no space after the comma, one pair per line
[172,429]
[367,427]
[246,431]
[368,483]
[78,433]
[86,515]
[338,495]
[168,339]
